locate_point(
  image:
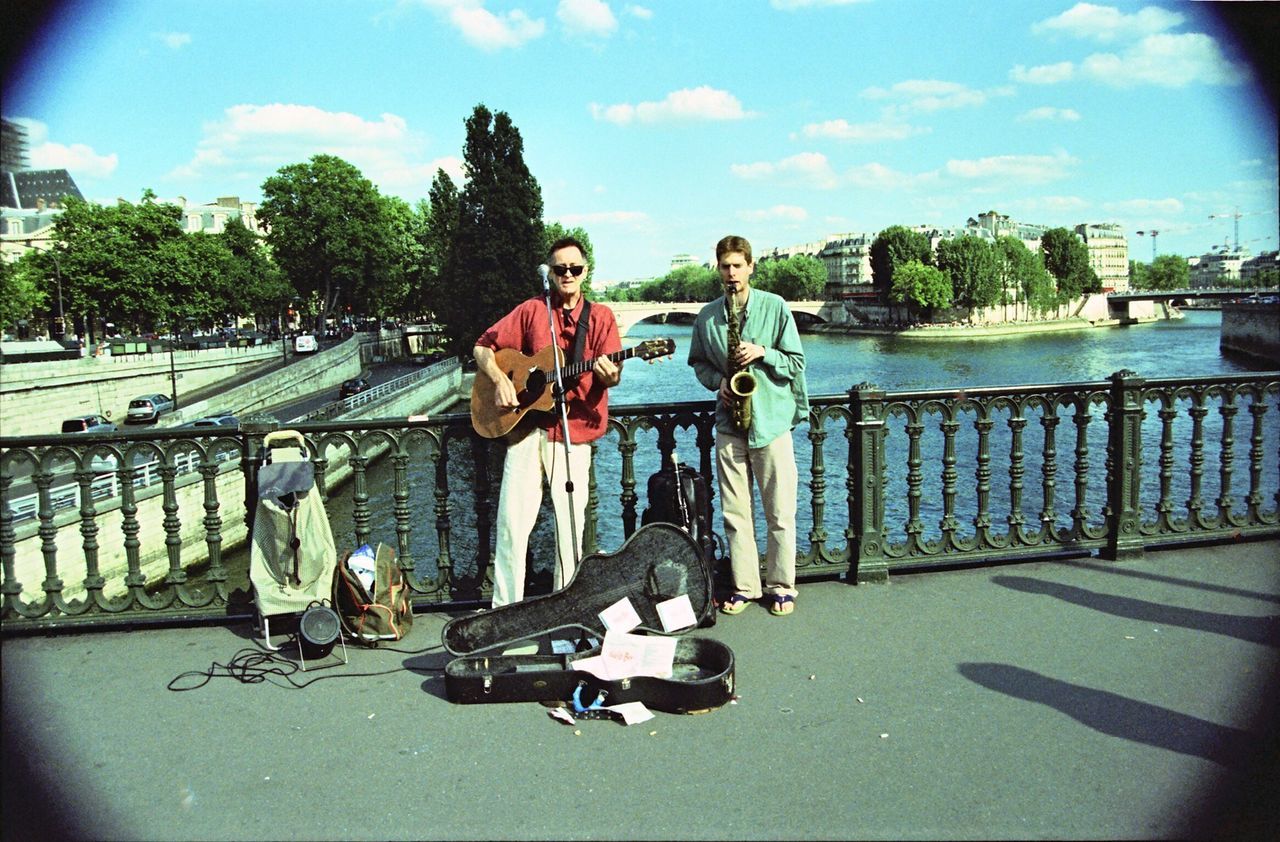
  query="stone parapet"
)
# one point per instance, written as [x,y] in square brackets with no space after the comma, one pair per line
[36,397]
[1252,329]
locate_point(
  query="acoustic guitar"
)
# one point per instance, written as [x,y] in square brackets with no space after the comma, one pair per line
[534,377]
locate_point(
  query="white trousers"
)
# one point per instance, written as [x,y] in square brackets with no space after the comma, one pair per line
[527,461]
[774,469]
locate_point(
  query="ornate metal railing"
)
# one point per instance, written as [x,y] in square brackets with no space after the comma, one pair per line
[890,481]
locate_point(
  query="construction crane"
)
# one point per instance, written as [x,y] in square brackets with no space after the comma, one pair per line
[1235,216]
[1152,235]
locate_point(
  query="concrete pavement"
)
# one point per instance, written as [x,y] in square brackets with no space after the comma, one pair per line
[1059,699]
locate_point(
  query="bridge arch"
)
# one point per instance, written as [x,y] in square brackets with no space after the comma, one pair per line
[630,313]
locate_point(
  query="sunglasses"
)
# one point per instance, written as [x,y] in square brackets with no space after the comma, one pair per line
[561,271]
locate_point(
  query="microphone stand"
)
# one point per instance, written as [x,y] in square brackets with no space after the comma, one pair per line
[563,409]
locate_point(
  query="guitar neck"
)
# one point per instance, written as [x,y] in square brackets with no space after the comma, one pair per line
[572,369]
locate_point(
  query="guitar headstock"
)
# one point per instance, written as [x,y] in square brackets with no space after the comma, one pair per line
[651,349]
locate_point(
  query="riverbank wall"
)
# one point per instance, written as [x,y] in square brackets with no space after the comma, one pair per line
[1251,329]
[36,397]
[1086,312]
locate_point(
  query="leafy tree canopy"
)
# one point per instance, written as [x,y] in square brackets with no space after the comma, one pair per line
[797,278]
[1067,258]
[891,248]
[920,286]
[1168,271]
[971,264]
[330,231]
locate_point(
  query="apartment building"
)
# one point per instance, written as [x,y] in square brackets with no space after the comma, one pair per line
[1108,254]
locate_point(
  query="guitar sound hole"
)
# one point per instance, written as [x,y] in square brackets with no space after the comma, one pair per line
[534,386]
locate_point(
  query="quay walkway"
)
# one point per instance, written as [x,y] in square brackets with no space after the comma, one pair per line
[1078,698]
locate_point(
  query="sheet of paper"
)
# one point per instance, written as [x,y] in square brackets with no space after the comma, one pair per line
[620,617]
[563,647]
[676,613]
[632,712]
[629,655]
[595,665]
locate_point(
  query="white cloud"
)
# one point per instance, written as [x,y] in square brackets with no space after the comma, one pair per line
[1170,61]
[173,40]
[1057,204]
[927,95]
[587,17]
[785,213]
[1144,207]
[881,130]
[1019,169]
[1045,74]
[808,169]
[793,5]
[1047,112]
[701,103]
[1107,23]
[252,141]
[77,158]
[639,12]
[875,176]
[488,31]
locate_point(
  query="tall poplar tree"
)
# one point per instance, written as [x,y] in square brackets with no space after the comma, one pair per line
[499,239]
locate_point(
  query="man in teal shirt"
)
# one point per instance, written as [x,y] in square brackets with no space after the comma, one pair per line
[768,348]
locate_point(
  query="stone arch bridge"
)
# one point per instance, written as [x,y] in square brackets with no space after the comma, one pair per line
[630,313]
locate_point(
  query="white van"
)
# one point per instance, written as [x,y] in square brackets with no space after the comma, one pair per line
[305,344]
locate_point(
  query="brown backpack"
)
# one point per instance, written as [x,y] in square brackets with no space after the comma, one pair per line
[387,613]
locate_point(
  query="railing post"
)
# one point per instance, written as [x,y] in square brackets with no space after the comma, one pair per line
[252,431]
[867,561]
[1124,479]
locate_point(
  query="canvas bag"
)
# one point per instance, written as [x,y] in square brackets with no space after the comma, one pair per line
[292,552]
[387,613]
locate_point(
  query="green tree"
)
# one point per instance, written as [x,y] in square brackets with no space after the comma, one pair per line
[796,278]
[893,247]
[553,231]
[329,232]
[1138,275]
[498,244]
[21,295]
[971,264]
[1067,258]
[1168,271]
[920,287]
[439,228]
[1022,276]
[254,284]
[114,262]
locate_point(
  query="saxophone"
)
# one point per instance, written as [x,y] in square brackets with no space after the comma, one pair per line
[742,383]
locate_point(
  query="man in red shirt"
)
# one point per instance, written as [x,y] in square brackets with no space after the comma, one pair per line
[533,453]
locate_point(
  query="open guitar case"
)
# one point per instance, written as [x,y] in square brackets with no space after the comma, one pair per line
[659,562]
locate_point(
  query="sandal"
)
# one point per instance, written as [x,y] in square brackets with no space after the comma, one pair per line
[781,603]
[735,604]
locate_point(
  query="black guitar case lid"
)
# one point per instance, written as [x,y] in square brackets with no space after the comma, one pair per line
[657,563]
[702,678]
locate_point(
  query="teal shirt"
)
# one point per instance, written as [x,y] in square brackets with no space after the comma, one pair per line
[781,400]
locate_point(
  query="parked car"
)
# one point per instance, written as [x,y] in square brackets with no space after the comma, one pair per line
[221,420]
[88,424]
[354,386]
[148,408]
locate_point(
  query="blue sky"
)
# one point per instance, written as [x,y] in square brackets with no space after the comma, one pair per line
[660,126]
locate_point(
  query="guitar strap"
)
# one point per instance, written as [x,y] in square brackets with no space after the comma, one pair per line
[580,336]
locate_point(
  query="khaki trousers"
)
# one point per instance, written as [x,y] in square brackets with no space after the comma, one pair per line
[526,462]
[774,469]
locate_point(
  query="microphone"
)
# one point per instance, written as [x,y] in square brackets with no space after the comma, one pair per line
[545,271]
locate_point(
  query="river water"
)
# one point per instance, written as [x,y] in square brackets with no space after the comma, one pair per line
[1162,349]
